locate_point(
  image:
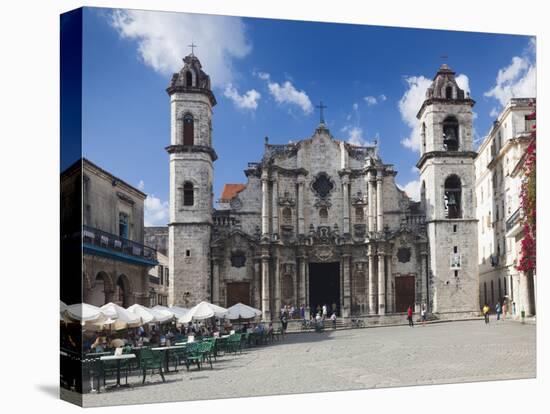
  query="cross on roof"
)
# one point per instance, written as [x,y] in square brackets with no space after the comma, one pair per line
[321,110]
[192,46]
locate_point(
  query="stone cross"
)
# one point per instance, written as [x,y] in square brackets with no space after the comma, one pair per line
[321,108]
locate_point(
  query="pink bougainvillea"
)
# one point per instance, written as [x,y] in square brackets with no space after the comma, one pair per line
[528,255]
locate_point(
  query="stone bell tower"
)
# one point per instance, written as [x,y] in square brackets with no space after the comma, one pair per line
[191,177]
[447,193]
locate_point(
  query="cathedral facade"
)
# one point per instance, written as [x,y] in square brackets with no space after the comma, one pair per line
[321,221]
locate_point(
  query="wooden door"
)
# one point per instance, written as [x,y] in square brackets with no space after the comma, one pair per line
[404,293]
[238,292]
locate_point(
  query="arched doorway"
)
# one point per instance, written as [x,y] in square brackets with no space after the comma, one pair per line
[123,291]
[97,293]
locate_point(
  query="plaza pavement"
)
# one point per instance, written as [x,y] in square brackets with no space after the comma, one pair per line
[350,359]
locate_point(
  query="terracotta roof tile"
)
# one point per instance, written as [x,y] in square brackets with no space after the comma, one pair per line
[231,190]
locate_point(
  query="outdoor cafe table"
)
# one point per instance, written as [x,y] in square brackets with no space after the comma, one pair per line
[117,358]
[166,350]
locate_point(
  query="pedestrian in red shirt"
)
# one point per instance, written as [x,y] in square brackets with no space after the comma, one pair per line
[410,316]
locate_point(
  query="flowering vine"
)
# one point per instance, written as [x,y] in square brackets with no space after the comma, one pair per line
[527,261]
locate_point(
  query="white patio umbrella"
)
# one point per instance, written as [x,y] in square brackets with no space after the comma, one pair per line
[62,309]
[150,315]
[175,311]
[203,310]
[242,311]
[84,312]
[123,318]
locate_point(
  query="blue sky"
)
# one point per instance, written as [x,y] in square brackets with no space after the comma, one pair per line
[268,76]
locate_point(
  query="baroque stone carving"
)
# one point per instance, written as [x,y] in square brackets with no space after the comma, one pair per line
[404,254]
[238,259]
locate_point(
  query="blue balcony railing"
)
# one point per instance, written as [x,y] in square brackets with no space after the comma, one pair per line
[108,244]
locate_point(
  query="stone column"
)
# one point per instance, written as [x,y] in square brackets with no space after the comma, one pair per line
[274,204]
[216,281]
[381,284]
[379,204]
[422,281]
[302,284]
[345,203]
[265,204]
[347,285]
[370,196]
[300,207]
[306,285]
[389,282]
[257,283]
[277,285]
[266,314]
[372,280]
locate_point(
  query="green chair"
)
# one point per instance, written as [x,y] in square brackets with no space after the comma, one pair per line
[193,355]
[206,348]
[234,343]
[150,360]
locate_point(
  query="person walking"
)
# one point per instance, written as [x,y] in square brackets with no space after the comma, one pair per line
[325,311]
[498,310]
[486,310]
[333,319]
[410,316]
[504,309]
[423,315]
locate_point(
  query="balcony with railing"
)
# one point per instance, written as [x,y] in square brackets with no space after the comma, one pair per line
[513,224]
[102,243]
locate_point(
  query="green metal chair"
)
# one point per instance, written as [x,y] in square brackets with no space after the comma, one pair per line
[150,360]
[193,355]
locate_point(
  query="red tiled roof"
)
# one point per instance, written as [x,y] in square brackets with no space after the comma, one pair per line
[231,190]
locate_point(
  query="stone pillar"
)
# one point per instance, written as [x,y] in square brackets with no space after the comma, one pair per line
[306,287]
[277,285]
[347,285]
[300,207]
[265,204]
[381,284]
[345,203]
[266,314]
[257,293]
[370,196]
[422,281]
[274,204]
[216,281]
[372,280]
[302,263]
[389,283]
[379,204]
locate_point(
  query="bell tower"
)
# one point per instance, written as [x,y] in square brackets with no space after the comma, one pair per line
[191,177]
[447,194]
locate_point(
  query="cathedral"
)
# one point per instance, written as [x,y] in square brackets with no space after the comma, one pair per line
[321,221]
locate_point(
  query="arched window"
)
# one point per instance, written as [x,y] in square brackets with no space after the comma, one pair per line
[287,215]
[449,92]
[188,195]
[188,130]
[188,79]
[450,133]
[323,214]
[453,197]
[359,214]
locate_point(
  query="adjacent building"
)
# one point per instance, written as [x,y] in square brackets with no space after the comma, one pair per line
[159,275]
[321,221]
[116,262]
[499,174]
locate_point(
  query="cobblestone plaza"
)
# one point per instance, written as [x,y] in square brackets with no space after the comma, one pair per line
[339,360]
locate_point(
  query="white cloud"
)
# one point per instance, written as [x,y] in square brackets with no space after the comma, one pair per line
[382,97]
[517,80]
[409,105]
[355,106]
[156,211]
[286,93]
[163,38]
[355,136]
[463,83]
[141,185]
[412,188]
[494,113]
[249,100]
[370,100]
